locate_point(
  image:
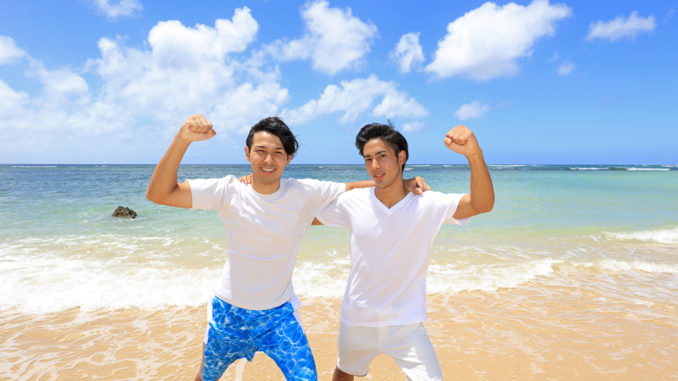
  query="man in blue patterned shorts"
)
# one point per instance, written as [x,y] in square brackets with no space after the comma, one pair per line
[254,304]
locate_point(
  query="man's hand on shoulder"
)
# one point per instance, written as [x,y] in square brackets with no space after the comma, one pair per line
[247,179]
[416,185]
[196,128]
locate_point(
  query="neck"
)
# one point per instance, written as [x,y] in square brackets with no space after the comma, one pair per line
[391,194]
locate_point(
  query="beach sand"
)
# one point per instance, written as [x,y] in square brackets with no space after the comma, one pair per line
[537,331]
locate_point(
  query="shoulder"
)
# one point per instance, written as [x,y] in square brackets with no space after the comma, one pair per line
[438,198]
[222,181]
[313,184]
[356,194]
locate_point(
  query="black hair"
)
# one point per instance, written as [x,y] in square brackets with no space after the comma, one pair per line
[277,127]
[387,133]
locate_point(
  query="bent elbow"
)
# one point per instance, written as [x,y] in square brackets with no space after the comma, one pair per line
[489,206]
[484,208]
[152,196]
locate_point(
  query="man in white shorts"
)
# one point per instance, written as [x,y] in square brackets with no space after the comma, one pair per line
[392,232]
[254,304]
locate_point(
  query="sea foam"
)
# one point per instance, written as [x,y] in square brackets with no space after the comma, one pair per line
[666,236]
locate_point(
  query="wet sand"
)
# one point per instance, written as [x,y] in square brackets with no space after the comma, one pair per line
[560,330]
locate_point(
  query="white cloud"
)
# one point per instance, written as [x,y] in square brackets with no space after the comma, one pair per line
[58,83]
[357,97]
[398,104]
[10,101]
[413,126]
[472,110]
[621,27]
[408,52]
[9,51]
[143,93]
[121,8]
[565,68]
[334,40]
[175,45]
[188,69]
[486,42]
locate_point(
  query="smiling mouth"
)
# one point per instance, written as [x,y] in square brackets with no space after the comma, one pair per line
[267,170]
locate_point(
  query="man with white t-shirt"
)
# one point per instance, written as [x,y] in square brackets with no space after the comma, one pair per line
[392,232]
[254,308]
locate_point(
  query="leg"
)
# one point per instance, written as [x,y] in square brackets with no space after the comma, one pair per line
[225,341]
[340,375]
[218,355]
[358,346]
[287,345]
[412,350]
[198,377]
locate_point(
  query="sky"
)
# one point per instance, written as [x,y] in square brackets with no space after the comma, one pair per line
[539,82]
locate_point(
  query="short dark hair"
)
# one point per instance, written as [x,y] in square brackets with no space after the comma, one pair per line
[387,133]
[277,127]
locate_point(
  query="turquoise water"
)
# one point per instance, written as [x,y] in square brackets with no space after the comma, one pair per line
[60,248]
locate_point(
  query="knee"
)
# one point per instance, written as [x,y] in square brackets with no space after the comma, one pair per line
[340,375]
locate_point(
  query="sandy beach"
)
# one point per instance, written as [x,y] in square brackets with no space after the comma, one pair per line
[537,331]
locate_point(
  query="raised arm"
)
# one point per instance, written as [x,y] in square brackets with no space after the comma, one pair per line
[163,187]
[481,199]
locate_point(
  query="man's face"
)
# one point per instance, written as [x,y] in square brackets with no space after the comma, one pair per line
[382,163]
[267,157]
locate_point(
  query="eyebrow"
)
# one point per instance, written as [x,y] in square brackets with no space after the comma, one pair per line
[265,146]
[376,153]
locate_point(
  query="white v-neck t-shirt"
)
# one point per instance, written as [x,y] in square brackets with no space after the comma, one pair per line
[390,250]
[263,233]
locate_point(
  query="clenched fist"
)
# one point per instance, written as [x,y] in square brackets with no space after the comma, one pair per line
[462,140]
[196,128]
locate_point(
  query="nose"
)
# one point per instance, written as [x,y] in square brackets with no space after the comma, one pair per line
[375,165]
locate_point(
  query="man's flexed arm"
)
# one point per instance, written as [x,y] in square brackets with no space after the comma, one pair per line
[481,199]
[163,187]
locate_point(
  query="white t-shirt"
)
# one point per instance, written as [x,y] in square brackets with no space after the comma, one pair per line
[390,251]
[263,232]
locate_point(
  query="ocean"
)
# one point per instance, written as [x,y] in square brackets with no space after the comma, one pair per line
[608,232]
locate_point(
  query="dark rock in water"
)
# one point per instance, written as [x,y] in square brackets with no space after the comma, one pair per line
[124,212]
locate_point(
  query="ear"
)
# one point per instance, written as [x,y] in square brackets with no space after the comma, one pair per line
[402,157]
[247,153]
[289,158]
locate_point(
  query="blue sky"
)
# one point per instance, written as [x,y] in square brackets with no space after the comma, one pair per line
[103,81]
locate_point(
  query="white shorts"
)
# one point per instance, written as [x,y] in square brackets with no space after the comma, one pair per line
[408,345]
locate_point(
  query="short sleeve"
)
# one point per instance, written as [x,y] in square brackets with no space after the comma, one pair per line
[326,192]
[208,193]
[334,216]
[448,203]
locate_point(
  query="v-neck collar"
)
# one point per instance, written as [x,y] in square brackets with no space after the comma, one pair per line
[383,207]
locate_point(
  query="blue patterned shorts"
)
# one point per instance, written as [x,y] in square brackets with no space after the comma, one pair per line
[236,332]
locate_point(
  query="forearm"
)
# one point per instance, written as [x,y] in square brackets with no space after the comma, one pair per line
[164,179]
[482,190]
[360,184]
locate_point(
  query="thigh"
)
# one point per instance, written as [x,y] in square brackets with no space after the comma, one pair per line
[287,345]
[225,341]
[358,346]
[412,350]
[221,351]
